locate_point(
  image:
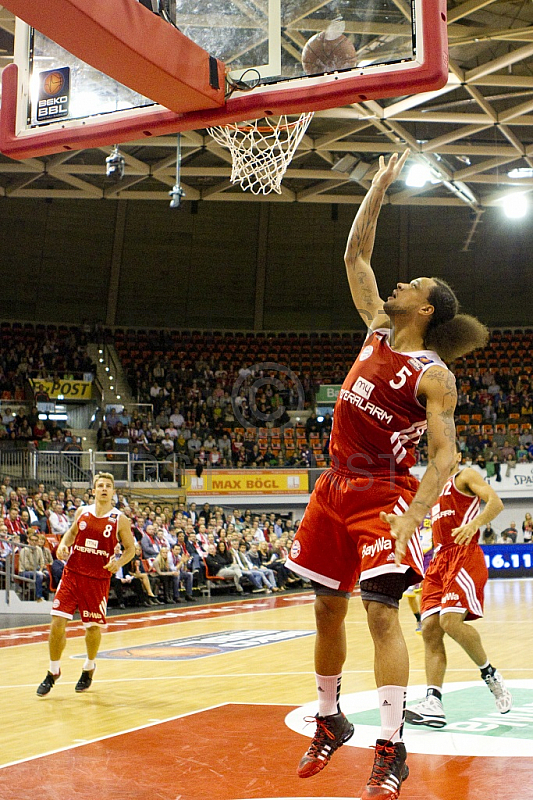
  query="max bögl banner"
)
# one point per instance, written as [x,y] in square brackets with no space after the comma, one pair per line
[247,481]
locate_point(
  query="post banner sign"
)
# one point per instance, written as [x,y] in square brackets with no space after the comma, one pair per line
[247,481]
[327,394]
[59,389]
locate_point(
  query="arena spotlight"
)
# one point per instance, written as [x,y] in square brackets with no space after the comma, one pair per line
[176,196]
[418,176]
[515,206]
[115,164]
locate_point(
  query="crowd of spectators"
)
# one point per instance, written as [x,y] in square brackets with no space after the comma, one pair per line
[223,400]
[509,535]
[45,352]
[175,544]
[21,426]
[494,425]
[210,443]
[494,421]
[179,546]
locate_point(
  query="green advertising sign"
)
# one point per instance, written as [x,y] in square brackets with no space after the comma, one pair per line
[327,394]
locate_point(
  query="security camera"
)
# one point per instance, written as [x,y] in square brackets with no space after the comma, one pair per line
[176,196]
[115,164]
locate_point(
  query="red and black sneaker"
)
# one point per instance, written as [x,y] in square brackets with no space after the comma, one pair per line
[388,773]
[331,733]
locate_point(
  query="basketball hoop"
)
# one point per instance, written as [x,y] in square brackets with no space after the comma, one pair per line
[261,153]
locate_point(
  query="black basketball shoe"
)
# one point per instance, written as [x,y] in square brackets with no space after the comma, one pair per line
[85,680]
[48,684]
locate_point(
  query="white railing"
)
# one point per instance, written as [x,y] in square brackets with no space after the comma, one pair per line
[10,580]
[57,468]
[132,468]
[53,468]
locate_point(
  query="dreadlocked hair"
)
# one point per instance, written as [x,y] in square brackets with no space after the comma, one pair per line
[450,334]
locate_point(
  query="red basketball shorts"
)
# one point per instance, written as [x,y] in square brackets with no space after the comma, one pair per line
[341,536]
[89,595]
[455,582]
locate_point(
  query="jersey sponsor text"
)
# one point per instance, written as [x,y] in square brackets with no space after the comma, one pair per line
[379,545]
[369,408]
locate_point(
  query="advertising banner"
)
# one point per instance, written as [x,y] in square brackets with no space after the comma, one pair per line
[247,481]
[327,394]
[59,389]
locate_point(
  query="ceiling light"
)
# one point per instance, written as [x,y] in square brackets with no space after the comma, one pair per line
[418,175]
[521,172]
[515,206]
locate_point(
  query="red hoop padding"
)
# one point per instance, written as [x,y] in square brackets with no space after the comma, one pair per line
[130,44]
[291,97]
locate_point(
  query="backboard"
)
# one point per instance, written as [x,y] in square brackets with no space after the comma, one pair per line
[399,48]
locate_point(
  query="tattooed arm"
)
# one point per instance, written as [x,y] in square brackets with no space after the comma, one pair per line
[360,244]
[437,387]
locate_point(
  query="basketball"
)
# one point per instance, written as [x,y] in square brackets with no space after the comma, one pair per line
[53,83]
[328,51]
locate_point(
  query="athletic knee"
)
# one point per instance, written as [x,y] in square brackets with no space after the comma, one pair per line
[58,626]
[450,623]
[432,631]
[382,619]
[330,611]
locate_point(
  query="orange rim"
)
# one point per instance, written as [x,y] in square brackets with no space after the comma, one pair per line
[235,126]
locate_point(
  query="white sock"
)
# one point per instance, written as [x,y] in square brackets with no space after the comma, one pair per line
[55,667]
[392,711]
[89,664]
[329,689]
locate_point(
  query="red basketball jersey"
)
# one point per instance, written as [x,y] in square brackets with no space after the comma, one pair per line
[378,420]
[95,543]
[453,509]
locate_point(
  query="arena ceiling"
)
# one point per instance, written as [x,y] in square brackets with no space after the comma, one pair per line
[471,133]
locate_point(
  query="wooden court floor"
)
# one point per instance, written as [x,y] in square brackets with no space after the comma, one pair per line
[199,702]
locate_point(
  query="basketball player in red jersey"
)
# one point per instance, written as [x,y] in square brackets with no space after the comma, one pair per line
[365,508]
[85,582]
[453,590]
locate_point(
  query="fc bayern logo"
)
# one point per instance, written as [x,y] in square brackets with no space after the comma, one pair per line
[82,525]
[295,549]
[366,352]
[55,603]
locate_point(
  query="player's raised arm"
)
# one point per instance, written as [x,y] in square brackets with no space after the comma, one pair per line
[360,245]
[438,388]
[468,480]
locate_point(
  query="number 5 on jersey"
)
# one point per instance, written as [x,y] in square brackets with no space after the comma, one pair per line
[402,376]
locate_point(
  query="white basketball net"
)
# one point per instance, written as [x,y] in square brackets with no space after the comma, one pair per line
[261,150]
